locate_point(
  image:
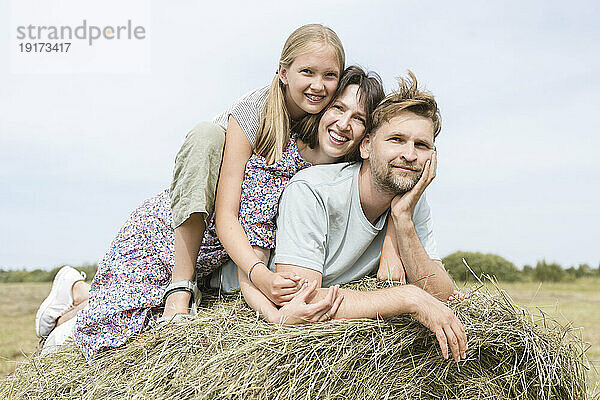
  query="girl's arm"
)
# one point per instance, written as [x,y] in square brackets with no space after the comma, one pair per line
[390,264]
[298,310]
[231,233]
[254,297]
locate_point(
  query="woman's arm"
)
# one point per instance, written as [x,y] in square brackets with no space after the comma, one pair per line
[390,264]
[231,233]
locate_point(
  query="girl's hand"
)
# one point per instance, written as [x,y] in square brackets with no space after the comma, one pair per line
[299,311]
[279,287]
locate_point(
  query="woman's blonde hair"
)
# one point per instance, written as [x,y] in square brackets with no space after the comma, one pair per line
[274,129]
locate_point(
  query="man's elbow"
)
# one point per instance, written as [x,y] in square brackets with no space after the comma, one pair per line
[441,287]
[444,293]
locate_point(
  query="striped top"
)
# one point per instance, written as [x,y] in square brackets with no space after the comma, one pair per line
[247,111]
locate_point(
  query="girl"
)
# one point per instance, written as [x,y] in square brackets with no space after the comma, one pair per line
[132,277]
[309,68]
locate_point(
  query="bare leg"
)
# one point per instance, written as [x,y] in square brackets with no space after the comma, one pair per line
[188,238]
[81,292]
[70,313]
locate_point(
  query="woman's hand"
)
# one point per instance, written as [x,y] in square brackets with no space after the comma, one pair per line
[300,311]
[279,287]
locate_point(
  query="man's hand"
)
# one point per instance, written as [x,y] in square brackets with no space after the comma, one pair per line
[300,311]
[403,205]
[439,319]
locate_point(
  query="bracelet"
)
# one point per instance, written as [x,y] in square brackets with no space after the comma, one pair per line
[252,267]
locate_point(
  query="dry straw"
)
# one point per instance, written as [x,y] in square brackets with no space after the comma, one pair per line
[227,352]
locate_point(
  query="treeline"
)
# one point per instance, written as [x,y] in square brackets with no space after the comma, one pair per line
[40,275]
[504,270]
[481,264]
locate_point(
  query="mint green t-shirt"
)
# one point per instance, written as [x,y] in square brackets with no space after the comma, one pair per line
[321,226]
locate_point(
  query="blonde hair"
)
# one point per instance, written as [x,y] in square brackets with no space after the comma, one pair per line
[370,92]
[408,97]
[274,129]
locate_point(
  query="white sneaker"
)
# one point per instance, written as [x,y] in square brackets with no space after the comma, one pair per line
[59,336]
[58,301]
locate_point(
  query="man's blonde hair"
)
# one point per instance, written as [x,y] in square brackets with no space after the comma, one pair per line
[408,97]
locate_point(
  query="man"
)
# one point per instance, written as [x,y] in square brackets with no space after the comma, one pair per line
[332,221]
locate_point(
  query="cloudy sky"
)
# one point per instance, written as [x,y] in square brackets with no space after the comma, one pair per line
[517,83]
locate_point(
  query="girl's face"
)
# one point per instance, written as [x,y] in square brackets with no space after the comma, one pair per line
[310,81]
[342,125]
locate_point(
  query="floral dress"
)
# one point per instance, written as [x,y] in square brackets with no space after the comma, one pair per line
[134,273]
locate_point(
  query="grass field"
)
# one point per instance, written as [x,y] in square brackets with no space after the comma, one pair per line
[574,302]
[577,302]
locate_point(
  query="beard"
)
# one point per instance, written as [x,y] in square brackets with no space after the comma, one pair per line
[390,180]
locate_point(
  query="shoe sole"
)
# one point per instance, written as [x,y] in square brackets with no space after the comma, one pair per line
[49,300]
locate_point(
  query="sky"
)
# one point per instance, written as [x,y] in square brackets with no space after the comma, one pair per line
[517,82]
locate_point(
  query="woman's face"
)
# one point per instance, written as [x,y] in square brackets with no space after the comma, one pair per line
[310,82]
[342,125]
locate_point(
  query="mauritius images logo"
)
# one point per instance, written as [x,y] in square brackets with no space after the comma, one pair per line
[84,32]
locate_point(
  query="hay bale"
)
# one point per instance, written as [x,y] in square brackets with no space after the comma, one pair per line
[227,352]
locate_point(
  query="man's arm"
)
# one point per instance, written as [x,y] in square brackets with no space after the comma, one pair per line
[390,264]
[420,270]
[430,275]
[389,302]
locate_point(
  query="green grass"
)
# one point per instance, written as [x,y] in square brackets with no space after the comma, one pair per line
[576,301]
[18,305]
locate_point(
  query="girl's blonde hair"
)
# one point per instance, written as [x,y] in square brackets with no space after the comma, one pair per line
[370,93]
[274,129]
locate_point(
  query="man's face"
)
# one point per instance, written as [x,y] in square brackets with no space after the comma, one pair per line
[398,152]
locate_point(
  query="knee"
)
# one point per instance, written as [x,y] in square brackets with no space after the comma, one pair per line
[206,135]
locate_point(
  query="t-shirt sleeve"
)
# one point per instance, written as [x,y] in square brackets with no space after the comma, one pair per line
[248,117]
[248,111]
[424,227]
[301,228]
